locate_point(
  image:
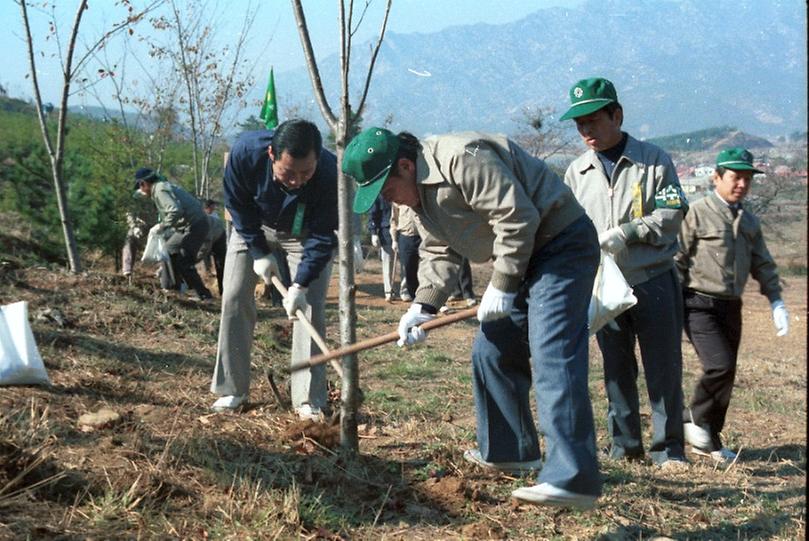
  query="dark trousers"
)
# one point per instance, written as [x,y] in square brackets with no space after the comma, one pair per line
[656,324]
[714,327]
[183,247]
[464,286]
[409,258]
[218,251]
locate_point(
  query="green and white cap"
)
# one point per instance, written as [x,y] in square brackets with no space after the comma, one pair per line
[588,96]
[736,158]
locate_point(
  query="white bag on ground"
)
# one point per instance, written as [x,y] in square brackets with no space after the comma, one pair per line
[20,363]
[612,295]
[155,250]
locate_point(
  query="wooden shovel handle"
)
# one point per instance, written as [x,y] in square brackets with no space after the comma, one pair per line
[384,339]
[301,315]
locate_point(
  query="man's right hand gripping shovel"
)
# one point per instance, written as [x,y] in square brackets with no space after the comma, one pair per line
[294,302]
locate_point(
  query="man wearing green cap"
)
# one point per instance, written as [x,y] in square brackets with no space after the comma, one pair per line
[721,245]
[631,192]
[482,197]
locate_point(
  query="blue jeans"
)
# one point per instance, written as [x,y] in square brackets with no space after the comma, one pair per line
[545,344]
[656,324]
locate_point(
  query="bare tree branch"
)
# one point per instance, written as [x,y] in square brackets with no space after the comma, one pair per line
[311,63]
[373,60]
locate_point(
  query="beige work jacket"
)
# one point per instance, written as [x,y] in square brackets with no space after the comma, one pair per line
[483,197]
[718,253]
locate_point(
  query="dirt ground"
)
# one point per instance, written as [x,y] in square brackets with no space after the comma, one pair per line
[166,467]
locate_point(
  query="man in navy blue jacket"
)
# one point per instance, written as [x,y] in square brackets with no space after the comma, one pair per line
[280,189]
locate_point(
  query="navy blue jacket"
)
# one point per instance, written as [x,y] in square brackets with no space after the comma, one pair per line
[253,199]
[379,217]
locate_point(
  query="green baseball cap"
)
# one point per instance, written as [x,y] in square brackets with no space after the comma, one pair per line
[369,158]
[588,96]
[736,158]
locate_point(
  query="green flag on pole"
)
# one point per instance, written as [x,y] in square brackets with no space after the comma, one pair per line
[269,111]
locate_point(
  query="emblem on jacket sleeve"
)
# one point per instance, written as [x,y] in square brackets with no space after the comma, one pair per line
[671,197]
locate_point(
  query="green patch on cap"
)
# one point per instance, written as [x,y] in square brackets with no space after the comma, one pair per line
[588,96]
[736,158]
[368,158]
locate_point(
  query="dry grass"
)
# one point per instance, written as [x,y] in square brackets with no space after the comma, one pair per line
[171,469]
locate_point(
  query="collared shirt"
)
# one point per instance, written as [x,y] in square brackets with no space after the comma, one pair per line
[636,196]
[718,252]
[402,221]
[253,198]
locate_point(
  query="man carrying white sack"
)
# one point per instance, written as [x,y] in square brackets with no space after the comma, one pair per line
[481,196]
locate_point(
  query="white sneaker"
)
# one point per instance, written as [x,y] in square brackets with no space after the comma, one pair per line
[229,403]
[697,436]
[388,297]
[530,466]
[547,494]
[723,455]
[471,302]
[406,297]
[307,412]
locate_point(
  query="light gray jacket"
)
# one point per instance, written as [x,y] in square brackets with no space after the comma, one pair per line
[484,197]
[644,198]
[176,207]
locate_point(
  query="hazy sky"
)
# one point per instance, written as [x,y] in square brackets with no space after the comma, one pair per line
[274,36]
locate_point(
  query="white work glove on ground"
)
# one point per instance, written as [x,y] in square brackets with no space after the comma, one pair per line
[409,331]
[295,300]
[780,317]
[375,241]
[495,304]
[612,240]
[266,267]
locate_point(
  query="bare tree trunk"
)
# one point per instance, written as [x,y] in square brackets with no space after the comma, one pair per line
[345,194]
[57,154]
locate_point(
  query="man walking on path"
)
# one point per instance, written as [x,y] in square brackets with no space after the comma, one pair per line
[721,245]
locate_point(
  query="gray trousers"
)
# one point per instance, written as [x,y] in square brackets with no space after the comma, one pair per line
[232,373]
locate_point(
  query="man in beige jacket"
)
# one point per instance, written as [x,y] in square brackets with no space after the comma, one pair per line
[482,197]
[721,245]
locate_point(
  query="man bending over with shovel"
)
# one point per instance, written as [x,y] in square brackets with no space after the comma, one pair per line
[280,189]
[482,197]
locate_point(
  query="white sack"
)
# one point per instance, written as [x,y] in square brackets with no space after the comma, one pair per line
[20,363]
[612,295]
[155,250]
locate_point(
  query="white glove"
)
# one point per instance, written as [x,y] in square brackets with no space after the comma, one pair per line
[266,267]
[612,240]
[375,241]
[394,245]
[295,300]
[495,304]
[780,317]
[409,331]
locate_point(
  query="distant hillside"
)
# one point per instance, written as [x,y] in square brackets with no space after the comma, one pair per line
[710,139]
[678,66]
[14,105]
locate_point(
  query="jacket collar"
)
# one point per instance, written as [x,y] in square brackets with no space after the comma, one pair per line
[721,206]
[632,152]
[426,165]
